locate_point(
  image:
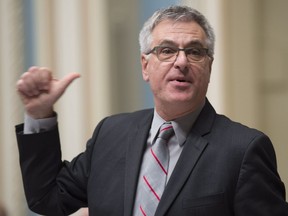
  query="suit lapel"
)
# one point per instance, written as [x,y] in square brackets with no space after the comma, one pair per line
[192,151]
[136,144]
[194,147]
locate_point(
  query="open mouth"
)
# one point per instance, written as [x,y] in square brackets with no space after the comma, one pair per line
[180,83]
[180,80]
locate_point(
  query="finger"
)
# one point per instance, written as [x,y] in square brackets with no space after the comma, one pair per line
[27,85]
[35,80]
[44,77]
[33,69]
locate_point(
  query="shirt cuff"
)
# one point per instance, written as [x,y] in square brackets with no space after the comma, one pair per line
[32,125]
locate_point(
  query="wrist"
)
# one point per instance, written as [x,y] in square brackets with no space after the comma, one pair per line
[42,114]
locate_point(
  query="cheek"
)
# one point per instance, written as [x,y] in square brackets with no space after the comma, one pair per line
[154,80]
[205,79]
[203,74]
[152,73]
[206,76]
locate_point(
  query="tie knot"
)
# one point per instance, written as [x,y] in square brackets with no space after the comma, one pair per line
[166,131]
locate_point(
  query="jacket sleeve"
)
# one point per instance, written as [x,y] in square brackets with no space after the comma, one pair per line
[52,186]
[260,191]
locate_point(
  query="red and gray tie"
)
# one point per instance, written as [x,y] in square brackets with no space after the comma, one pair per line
[154,176]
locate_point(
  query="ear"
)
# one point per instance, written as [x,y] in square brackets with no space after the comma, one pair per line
[211,62]
[211,59]
[144,63]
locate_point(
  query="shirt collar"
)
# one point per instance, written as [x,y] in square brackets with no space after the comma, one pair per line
[181,125]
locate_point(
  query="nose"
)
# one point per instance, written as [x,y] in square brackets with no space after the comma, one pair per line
[181,61]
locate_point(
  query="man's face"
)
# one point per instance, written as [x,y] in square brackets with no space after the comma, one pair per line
[180,83]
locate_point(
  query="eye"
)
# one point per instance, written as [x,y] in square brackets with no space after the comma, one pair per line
[194,51]
[168,51]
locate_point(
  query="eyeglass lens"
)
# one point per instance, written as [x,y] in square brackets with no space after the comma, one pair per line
[193,54]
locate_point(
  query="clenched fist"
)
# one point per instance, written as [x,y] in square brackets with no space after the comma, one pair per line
[39,91]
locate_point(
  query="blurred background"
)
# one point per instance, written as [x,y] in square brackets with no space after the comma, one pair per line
[99,40]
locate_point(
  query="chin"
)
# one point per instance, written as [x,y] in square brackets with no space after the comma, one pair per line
[182,99]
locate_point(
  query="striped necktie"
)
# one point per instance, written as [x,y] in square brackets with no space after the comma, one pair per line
[154,177]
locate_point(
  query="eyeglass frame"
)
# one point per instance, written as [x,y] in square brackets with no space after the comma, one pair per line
[154,50]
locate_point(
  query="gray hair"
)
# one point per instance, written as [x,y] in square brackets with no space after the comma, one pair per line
[176,13]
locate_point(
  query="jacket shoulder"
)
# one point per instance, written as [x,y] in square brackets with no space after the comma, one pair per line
[229,126]
[131,116]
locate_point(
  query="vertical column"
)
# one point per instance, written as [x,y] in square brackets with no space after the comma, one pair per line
[98,60]
[243,62]
[274,78]
[11,66]
[44,39]
[68,56]
[73,37]
[124,56]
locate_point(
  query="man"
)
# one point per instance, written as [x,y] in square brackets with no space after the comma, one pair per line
[207,165]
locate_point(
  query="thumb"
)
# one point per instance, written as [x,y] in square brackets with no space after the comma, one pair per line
[67,80]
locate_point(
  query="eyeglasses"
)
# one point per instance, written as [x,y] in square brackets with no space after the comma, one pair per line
[169,54]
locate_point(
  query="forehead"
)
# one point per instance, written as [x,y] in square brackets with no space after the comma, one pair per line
[178,32]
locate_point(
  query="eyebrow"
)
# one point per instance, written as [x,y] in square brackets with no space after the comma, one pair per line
[194,43]
[167,42]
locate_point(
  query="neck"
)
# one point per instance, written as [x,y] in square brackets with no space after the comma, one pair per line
[169,113]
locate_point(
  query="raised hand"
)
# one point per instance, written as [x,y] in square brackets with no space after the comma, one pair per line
[39,91]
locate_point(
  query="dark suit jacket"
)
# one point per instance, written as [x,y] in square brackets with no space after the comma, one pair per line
[225,169]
